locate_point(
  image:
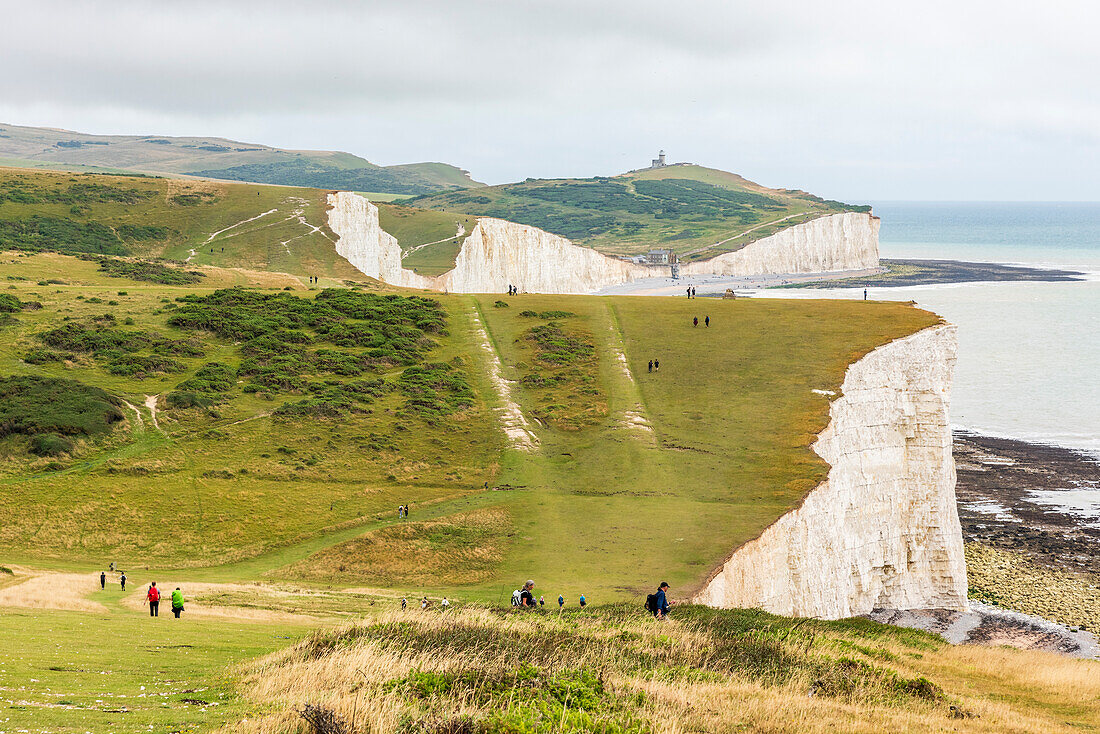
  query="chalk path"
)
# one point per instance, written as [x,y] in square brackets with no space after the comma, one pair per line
[513,422]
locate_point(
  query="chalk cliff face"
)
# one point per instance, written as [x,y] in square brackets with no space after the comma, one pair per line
[363,242]
[883,530]
[847,241]
[498,253]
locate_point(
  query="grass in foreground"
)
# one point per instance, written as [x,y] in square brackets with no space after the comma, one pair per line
[614,669]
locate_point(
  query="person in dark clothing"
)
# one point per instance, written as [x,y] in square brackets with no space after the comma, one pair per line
[123,581]
[561,602]
[656,365]
[693,293]
[102,580]
[584,602]
[695,321]
[527,596]
[689,293]
[865,294]
[707,321]
[662,601]
[651,365]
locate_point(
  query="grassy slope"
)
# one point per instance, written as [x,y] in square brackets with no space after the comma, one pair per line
[430,235]
[616,228]
[277,242]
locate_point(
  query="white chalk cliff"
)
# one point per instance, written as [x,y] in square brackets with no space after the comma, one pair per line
[882,531]
[498,253]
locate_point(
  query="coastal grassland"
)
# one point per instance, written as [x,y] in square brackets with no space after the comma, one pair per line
[158,217]
[1012,581]
[689,209]
[604,507]
[613,669]
[251,443]
[63,671]
[430,239]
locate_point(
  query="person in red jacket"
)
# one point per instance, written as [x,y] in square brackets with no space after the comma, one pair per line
[153,597]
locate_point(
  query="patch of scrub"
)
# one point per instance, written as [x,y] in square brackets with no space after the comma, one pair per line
[513,422]
[53,591]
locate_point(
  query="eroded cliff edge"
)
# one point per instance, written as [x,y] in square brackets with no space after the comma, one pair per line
[883,530]
[498,253]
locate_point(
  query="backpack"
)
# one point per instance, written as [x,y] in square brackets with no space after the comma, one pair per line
[515,598]
[651,603]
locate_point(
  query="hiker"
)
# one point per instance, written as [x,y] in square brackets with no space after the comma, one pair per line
[656,365]
[177,602]
[515,597]
[102,580]
[707,321]
[561,602]
[123,580]
[424,603]
[406,512]
[693,293]
[527,597]
[404,603]
[658,604]
[153,597]
[445,603]
[651,365]
[583,601]
[695,321]
[542,601]
[865,294]
[689,293]
[400,511]
[112,567]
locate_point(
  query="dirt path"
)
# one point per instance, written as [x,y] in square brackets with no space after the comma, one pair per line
[634,417]
[151,404]
[137,412]
[233,226]
[458,233]
[515,426]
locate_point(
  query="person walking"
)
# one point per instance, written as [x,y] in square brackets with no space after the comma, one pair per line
[651,365]
[445,603]
[695,321]
[693,293]
[527,596]
[865,294]
[707,321]
[153,597]
[661,604]
[424,603]
[583,601]
[542,601]
[177,602]
[406,512]
[656,365]
[561,602]
[102,580]
[122,580]
[400,511]
[689,293]
[404,603]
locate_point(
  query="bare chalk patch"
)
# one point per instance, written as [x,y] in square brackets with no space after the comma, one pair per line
[513,422]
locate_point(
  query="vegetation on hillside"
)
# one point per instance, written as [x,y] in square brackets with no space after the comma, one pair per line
[50,412]
[313,174]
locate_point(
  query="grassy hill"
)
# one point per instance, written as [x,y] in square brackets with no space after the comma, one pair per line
[221,158]
[695,211]
[290,424]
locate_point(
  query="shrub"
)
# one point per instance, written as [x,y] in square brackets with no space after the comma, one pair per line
[50,444]
[31,405]
[10,304]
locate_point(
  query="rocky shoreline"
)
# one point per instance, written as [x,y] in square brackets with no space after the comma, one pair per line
[899,273]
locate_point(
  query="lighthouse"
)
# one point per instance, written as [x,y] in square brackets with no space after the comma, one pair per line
[659,161]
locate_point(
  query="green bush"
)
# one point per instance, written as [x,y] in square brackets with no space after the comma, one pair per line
[31,405]
[50,444]
[10,304]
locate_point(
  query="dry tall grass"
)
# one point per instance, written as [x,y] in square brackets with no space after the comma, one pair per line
[40,590]
[457,672]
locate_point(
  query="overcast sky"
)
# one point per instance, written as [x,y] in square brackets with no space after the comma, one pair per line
[851,100]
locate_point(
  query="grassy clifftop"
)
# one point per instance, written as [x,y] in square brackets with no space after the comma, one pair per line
[274,432]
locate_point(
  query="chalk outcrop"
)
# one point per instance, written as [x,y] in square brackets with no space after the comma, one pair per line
[883,530]
[362,241]
[498,253]
[846,241]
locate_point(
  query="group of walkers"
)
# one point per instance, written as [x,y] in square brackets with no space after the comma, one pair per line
[152,594]
[691,292]
[654,365]
[525,598]
[402,512]
[513,290]
[695,321]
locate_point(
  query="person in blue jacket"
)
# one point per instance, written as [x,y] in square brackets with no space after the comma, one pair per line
[663,604]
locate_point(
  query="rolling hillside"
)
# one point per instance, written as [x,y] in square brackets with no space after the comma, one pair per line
[695,211]
[222,159]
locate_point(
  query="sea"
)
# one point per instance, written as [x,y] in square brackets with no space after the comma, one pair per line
[1029,353]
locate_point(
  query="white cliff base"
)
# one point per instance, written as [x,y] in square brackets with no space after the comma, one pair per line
[883,530]
[498,253]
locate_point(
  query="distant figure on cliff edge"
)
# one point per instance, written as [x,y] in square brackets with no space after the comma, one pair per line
[123,581]
[707,321]
[153,597]
[102,580]
[177,602]
[651,365]
[656,365]
[695,321]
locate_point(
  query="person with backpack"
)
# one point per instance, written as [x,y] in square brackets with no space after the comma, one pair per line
[177,602]
[527,596]
[404,603]
[515,597]
[561,602]
[658,604]
[153,597]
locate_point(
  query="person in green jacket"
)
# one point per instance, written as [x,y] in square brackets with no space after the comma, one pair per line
[177,602]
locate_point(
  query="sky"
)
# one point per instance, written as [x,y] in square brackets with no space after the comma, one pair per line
[850,100]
